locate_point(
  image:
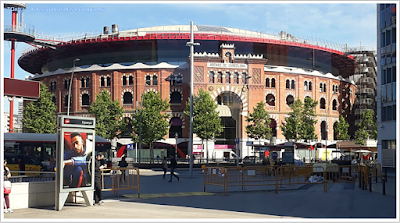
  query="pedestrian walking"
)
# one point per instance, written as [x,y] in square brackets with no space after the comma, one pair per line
[173,166]
[98,165]
[164,166]
[7,188]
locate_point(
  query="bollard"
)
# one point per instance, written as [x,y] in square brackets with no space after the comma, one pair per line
[362,181]
[359,179]
[384,183]
[370,183]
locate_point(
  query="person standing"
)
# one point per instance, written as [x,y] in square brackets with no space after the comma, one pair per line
[173,166]
[164,166]
[7,175]
[123,164]
[98,166]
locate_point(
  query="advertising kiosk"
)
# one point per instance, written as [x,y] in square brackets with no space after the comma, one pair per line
[75,158]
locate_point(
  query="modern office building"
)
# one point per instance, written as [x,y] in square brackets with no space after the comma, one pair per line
[239,68]
[386,21]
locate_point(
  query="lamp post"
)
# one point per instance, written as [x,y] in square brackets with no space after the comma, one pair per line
[70,84]
[191,44]
[176,143]
[248,104]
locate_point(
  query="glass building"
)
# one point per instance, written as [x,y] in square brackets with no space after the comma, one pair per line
[386,103]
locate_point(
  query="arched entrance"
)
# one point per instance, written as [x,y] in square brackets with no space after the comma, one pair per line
[230,110]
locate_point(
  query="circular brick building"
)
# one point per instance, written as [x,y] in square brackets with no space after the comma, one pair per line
[238,67]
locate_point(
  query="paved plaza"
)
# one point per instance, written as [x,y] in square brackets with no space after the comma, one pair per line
[186,201]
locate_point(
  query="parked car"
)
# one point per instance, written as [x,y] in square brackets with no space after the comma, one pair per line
[250,159]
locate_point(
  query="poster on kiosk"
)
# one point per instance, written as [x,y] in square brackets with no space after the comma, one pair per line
[75,158]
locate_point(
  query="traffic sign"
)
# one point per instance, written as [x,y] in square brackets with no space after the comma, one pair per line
[274,155]
[129,146]
[237,140]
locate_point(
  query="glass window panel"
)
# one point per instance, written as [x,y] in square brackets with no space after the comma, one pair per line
[389,92]
[383,115]
[384,95]
[389,75]
[389,114]
[384,77]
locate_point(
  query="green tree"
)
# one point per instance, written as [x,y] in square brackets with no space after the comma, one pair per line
[367,128]
[341,129]
[40,115]
[206,121]
[108,116]
[301,120]
[308,120]
[258,127]
[154,124]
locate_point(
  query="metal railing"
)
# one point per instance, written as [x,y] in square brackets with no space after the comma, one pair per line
[116,179]
[274,177]
[32,176]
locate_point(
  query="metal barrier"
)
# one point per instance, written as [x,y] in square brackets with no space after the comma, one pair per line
[287,175]
[120,179]
[32,176]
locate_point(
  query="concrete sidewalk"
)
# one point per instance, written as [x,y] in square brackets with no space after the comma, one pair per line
[342,200]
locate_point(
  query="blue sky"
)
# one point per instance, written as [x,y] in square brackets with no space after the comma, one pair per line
[335,22]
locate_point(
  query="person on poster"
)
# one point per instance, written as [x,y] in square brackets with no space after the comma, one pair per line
[75,164]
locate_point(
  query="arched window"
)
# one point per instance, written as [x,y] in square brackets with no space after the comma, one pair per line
[175,97]
[85,100]
[108,81]
[219,77]
[324,133]
[322,103]
[211,78]
[273,83]
[66,100]
[243,78]
[287,84]
[102,81]
[334,105]
[227,78]
[82,82]
[305,85]
[66,84]
[289,100]
[124,80]
[130,80]
[127,98]
[335,132]
[155,80]
[320,87]
[306,97]
[324,87]
[267,82]
[272,125]
[175,128]
[310,86]
[235,78]
[270,100]
[293,84]
[148,80]
[87,82]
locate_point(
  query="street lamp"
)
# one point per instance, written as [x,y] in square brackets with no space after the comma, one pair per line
[176,143]
[70,84]
[248,105]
